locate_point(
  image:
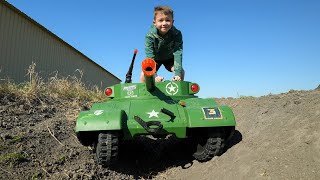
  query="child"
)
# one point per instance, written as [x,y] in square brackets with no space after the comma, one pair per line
[163,43]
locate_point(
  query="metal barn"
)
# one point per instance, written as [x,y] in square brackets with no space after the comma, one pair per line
[23,41]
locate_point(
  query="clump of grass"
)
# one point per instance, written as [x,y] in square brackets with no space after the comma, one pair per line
[35,84]
[61,160]
[73,87]
[247,97]
[29,90]
[37,175]
[8,86]
[13,158]
[15,139]
[2,147]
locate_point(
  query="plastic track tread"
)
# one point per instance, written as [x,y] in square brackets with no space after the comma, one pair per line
[213,147]
[107,149]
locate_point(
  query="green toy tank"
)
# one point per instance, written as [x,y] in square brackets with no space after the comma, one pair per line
[158,109]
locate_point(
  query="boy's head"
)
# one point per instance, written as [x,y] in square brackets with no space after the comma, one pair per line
[163,19]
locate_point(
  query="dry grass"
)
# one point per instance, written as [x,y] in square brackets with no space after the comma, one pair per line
[36,88]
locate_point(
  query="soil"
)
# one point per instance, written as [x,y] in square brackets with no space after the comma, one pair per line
[277,137]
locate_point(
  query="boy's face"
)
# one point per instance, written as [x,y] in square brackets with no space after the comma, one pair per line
[163,22]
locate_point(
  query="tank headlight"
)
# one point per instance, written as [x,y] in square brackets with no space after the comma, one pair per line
[108,91]
[194,88]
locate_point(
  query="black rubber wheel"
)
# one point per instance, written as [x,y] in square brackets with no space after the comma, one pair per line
[107,148]
[210,146]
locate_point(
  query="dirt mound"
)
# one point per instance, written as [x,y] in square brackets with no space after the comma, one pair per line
[277,138]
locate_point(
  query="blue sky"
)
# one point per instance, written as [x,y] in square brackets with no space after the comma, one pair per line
[232,48]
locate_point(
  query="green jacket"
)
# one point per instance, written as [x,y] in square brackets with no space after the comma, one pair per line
[165,48]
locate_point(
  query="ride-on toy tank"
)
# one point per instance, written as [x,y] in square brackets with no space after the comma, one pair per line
[158,109]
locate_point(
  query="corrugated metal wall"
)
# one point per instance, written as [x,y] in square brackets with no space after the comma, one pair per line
[23,41]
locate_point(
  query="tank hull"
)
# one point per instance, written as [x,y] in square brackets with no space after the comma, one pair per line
[176,113]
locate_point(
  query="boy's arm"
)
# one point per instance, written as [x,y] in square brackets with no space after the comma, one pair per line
[177,54]
[148,46]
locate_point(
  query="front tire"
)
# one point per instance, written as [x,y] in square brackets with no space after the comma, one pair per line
[107,148]
[209,146]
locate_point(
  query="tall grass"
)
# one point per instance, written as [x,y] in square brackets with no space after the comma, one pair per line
[70,87]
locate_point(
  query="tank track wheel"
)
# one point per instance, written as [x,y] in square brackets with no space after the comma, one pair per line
[207,148]
[107,148]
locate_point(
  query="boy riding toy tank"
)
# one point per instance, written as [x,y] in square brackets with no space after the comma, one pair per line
[158,109]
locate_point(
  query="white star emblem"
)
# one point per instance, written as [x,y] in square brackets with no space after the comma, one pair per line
[172,88]
[153,113]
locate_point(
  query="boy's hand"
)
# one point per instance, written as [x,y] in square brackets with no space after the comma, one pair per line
[159,79]
[176,78]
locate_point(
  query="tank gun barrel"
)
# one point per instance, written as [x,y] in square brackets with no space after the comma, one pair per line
[149,69]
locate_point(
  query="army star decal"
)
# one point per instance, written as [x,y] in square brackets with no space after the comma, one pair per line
[153,114]
[172,88]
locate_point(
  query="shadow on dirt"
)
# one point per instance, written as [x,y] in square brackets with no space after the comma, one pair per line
[145,157]
[235,139]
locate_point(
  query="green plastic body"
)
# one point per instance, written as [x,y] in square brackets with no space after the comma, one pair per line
[146,100]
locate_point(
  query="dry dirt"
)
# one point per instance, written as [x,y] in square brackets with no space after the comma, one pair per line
[277,137]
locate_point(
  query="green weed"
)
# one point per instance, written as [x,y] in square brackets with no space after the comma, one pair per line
[13,158]
[37,175]
[15,139]
[61,160]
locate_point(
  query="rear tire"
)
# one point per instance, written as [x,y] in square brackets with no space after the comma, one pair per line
[210,146]
[107,148]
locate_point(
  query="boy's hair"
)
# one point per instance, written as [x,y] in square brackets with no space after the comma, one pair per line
[164,9]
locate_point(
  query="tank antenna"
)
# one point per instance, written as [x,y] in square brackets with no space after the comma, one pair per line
[129,73]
